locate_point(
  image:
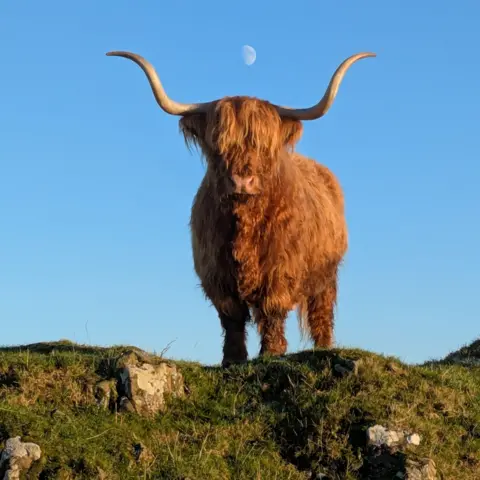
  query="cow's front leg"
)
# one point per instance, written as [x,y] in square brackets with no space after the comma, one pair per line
[233,314]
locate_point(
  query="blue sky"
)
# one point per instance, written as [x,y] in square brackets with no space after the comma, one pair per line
[96,183]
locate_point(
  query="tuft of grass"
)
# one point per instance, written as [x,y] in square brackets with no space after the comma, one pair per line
[278,418]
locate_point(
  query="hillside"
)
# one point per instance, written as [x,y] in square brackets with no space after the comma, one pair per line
[303,416]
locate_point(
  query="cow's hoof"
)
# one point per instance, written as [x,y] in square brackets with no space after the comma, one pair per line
[228,362]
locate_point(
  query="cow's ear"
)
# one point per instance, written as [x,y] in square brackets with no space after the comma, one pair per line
[292,131]
[193,128]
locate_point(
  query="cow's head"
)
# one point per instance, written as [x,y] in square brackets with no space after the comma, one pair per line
[242,138]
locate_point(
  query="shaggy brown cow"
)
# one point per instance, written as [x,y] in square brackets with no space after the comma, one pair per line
[267,224]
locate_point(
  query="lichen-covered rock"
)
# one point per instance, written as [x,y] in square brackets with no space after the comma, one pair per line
[386,458]
[378,436]
[422,469]
[146,385]
[17,457]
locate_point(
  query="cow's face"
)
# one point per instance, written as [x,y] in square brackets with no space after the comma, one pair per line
[242,139]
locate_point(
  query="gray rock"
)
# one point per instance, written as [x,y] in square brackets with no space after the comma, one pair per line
[146,385]
[385,459]
[421,469]
[343,367]
[413,439]
[379,436]
[316,476]
[17,457]
[125,405]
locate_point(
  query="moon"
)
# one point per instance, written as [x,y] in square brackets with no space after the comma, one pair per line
[249,55]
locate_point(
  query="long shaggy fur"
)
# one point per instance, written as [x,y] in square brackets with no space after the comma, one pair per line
[267,254]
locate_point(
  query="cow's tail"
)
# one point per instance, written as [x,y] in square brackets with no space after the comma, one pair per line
[303,319]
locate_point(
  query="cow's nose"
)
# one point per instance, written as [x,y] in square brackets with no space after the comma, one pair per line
[247,184]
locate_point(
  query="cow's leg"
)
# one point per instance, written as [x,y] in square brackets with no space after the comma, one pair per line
[271,328]
[320,314]
[233,314]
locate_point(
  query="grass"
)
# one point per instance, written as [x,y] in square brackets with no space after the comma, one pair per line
[270,419]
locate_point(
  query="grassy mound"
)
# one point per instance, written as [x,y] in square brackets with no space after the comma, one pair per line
[271,419]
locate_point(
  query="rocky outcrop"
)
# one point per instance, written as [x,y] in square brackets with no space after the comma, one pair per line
[141,384]
[17,458]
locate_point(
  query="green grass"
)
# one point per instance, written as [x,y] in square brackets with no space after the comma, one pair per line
[270,419]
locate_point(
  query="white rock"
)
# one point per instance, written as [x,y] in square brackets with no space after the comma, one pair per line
[18,457]
[147,385]
[379,435]
[414,439]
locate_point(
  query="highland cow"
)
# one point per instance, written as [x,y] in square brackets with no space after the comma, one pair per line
[268,228]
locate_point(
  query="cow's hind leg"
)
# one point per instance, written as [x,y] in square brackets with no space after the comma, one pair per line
[320,314]
[271,328]
[233,314]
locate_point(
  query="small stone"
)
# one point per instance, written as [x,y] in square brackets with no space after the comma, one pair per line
[125,405]
[413,439]
[422,469]
[344,366]
[316,476]
[17,457]
[379,436]
[341,370]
